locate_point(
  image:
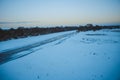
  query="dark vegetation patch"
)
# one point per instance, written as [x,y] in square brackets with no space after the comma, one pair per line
[22,32]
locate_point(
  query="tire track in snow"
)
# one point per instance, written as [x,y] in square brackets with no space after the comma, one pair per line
[11,54]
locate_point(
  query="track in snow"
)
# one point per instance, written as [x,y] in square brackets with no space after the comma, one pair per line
[11,54]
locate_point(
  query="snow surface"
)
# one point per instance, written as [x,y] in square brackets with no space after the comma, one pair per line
[84,56]
[16,43]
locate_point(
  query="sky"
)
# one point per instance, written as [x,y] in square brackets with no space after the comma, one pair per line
[59,12]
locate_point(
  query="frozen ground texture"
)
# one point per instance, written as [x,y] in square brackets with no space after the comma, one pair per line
[83,56]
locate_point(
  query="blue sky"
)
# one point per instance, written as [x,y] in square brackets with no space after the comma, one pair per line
[60,12]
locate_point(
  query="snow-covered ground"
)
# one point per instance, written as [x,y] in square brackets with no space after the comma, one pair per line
[83,56]
[16,43]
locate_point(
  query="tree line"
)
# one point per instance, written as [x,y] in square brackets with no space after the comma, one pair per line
[97,27]
[22,32]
